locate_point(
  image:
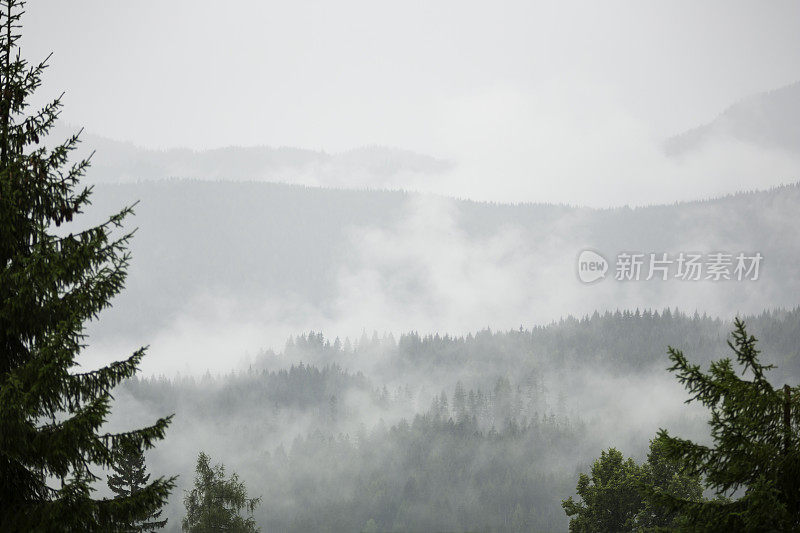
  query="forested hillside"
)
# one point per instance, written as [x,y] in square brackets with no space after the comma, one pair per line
[296,258]
[291,267]
[441,432]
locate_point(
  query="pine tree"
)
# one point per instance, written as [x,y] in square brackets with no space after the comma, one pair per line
[51,282]
[130,476]
[216,503]
[756,447]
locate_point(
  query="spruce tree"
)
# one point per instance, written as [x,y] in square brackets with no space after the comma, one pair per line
[55,276]
[130,476]
[756,450]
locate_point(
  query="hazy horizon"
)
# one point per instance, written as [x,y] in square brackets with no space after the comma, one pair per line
[401,266]
[556,101]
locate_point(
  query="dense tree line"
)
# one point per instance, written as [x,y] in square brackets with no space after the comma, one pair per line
[430,474]
[494,458]
[321,443]
[622,342]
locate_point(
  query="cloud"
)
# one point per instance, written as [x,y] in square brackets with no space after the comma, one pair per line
[570,141]
[427,273]
[443,266]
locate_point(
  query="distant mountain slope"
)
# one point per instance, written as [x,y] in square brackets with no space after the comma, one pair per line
[343,260]
[368,166]
[767,120]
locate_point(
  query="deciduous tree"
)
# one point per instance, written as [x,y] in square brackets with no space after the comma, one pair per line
[216,503]
[616,496]
[610,497]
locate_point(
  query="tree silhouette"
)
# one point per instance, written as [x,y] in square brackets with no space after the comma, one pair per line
[754,429]
[130,476]
[52,280]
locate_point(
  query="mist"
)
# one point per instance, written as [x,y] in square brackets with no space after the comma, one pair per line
[565,103]
[360,263]
[393,263]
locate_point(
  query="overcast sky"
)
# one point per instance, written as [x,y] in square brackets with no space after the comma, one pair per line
[509,81]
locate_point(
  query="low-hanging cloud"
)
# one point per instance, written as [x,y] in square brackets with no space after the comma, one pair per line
[429,271]
[573,142]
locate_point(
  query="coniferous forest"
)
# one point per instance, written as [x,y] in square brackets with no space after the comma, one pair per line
[553,311]
[480,432]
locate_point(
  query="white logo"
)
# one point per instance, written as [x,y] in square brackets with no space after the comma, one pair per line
[591,266]
[662,266]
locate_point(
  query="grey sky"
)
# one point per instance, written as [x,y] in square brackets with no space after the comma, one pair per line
[490,81]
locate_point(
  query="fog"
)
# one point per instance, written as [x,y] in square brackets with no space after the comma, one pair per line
[418,263]
[584,385]
[557,101]
[564,145]
[358,229]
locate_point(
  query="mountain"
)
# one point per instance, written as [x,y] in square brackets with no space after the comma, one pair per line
[368,166]
[285,258]
[767,120]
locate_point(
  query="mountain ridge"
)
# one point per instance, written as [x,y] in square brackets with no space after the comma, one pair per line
[770,119]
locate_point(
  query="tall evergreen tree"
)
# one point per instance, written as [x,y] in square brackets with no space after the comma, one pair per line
[52,280]
[130,476]
[216,503]
[756,447]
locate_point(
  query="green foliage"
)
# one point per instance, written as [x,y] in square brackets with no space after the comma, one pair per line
[614,498]
[754,429]
[50,284]
[130,477]
[610,497]
[215,503]
[444,470]
[668,476]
